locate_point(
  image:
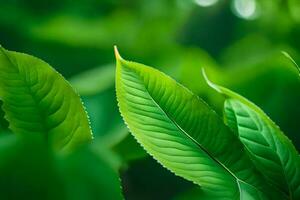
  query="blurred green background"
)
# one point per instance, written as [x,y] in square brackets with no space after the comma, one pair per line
[239,42]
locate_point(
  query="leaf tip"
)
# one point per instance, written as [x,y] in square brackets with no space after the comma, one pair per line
[209,83]
[204,74]
[287,55]
[117,54]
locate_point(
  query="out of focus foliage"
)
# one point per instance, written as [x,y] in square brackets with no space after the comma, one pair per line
[238,42]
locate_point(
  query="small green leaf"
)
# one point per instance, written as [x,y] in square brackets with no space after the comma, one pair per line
[291,59]
[184,134]
[38,100]
[272,152]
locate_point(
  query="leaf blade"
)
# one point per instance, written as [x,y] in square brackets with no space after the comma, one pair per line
[151,116]
[36,99]
[272,152]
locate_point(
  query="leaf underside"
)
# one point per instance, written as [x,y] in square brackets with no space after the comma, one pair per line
[38,100]
[180,131]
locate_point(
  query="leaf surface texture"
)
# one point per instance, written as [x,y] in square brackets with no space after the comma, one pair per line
[38,100]
[184,134]
[272,152]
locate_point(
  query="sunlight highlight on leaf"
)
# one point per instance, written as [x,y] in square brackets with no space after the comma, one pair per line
[287,55]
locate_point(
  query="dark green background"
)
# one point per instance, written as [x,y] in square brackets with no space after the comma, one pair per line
[177,36]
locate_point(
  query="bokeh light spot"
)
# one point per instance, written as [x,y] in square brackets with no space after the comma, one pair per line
[206,3]
[246,9]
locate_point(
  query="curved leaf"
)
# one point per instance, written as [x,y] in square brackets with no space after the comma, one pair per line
[272,152]
[38,100]
[180,131]
[291,59]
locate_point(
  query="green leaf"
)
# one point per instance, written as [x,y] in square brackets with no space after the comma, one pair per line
[291,59]
[38,100]
[272,152]
[184,134]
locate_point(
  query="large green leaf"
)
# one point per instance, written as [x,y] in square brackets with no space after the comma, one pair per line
[272,152]
[186,136]
[38,100]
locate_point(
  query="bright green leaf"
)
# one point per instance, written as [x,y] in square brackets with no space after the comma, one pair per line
[38,100]
[186,136]
[272,152]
